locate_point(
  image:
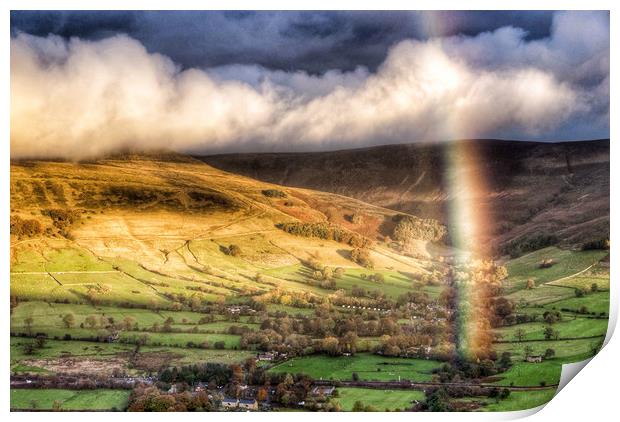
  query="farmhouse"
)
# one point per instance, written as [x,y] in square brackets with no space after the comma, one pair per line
[229,403]
[249,404]
[534,359]
[268,356]
[323,390]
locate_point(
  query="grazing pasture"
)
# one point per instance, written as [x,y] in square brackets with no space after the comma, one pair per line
[520,400]
[565,263]
[526,374]
[36,399]
[380,400]
[570,327]
[366,366]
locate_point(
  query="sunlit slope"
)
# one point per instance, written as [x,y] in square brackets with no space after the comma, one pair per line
[140,229]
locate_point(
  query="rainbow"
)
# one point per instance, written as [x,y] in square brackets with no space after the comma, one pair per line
[468,220]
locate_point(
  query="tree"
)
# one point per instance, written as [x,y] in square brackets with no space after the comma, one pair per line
[331,346]
[234,250]
[438,401]
[361,256]
[350,341]
[549,353]
[39,341]
[358,406]
[91,321]
[551,317]
[28,323]
[129,322]
[520,334]
[505,360]
[594,288]
[69,320]
[551,334]
[530,284]
[579,292]
[379,278]
[355,376]
[528,351]
[261,395]
[338,272]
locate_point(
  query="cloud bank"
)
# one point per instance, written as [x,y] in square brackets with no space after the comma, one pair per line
[81,99]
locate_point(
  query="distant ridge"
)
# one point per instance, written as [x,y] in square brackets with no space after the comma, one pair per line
[535,188]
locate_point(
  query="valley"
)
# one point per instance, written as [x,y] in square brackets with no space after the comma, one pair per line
[159,280]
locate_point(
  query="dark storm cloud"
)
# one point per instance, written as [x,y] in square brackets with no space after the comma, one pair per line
[88,84]
[309,41]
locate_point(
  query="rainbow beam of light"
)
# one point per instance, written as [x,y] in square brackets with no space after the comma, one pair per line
[468,217]
[468,220]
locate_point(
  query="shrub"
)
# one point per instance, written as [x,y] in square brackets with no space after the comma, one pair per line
[596,244]
[25,227]
[273,193]
[522,246]
[232,250]
[546,263]
[327,232]
[411,228]
[355,218]
[361,256]
[62,218]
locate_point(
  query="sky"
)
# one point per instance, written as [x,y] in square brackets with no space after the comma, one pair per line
[89,83]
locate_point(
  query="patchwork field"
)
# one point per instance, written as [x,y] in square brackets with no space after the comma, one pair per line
[519,400]
[57,399]
[187,265]
[379,400]
[367,367]
[566,263]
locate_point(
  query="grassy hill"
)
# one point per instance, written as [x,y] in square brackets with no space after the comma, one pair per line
[140,229]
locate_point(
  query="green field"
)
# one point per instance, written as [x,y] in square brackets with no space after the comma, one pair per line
[69,399]
[568,328]
[50,315]
[395,283]
[541,295]
[594,302]
[368,367]
[531,374]
[520,400]
[379,399]
[64,257]
[181,339]
[566,264]
[565,350]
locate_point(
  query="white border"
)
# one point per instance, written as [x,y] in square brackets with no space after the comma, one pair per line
[591,396]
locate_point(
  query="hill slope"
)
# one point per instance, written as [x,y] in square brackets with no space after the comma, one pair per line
[534,189]
[140,229]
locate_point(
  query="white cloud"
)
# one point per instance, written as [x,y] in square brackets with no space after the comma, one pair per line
[79,99]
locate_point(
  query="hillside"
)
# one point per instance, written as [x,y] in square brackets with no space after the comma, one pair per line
[161,226]
[147,271]
[534,189]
